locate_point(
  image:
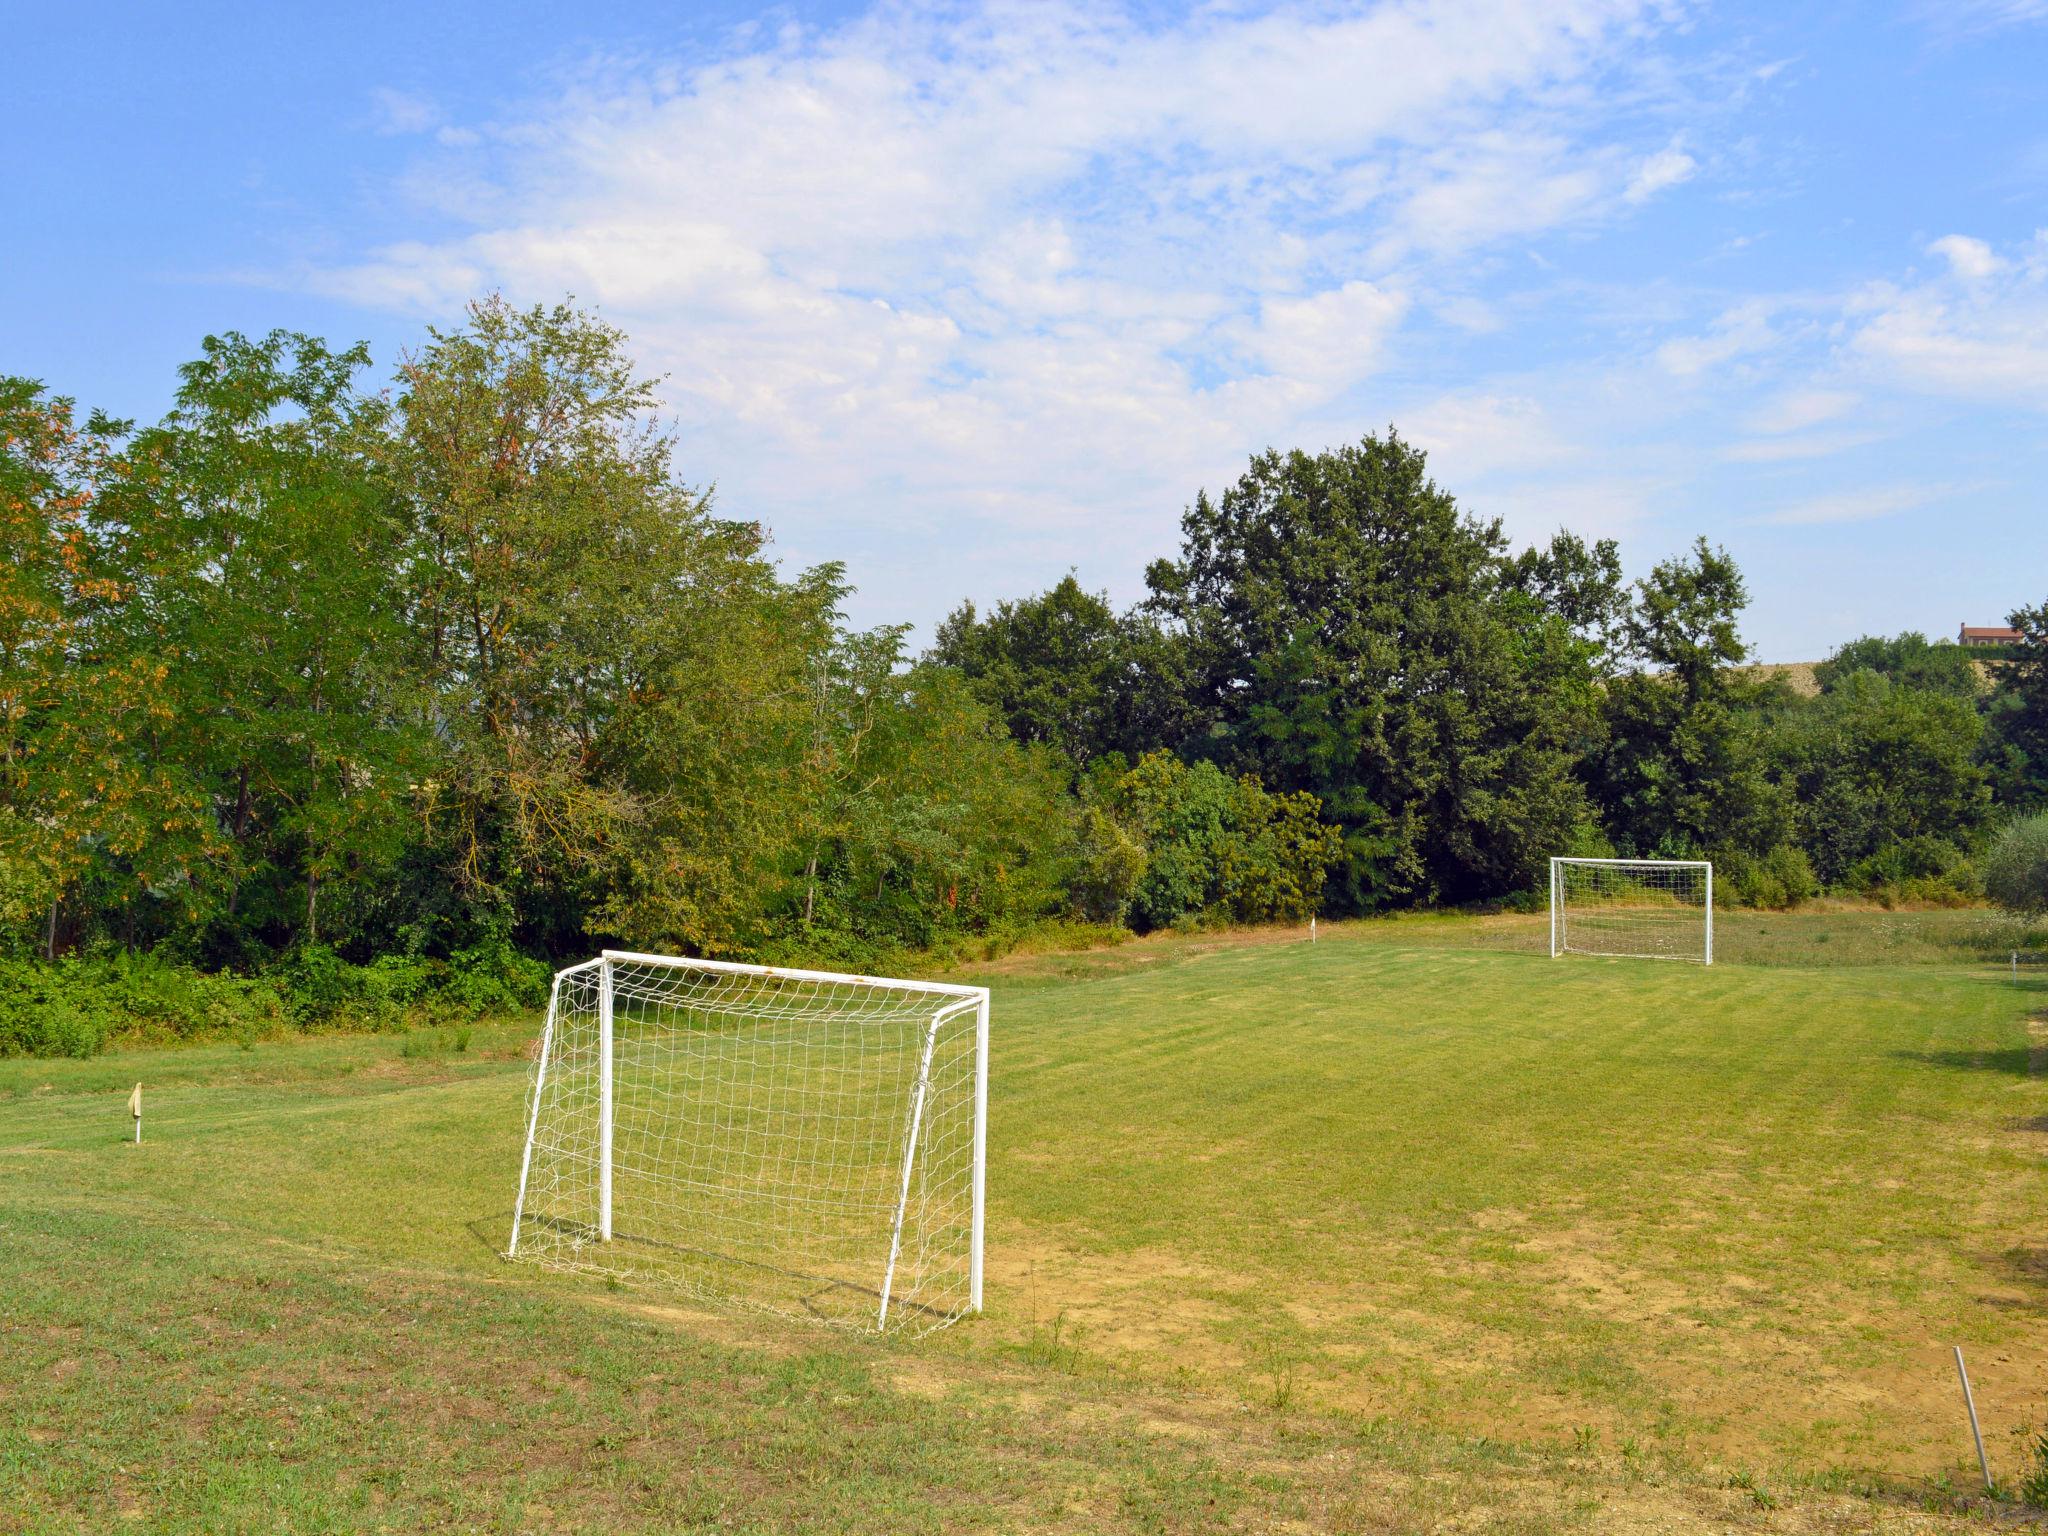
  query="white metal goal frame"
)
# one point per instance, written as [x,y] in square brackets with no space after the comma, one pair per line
[708,1121]
[1633,908]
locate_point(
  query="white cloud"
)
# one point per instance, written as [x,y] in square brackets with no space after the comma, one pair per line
[1739,332]
[1329,340]
[1796,410]
[1859,506]
[1967,258]
[1972,16]
[1805,445]
[1481,435]
[1666,168]
[400,112]
[1981,333]
[1012,269]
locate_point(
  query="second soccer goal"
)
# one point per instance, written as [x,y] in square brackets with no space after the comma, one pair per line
[1652,909]
[804,1141]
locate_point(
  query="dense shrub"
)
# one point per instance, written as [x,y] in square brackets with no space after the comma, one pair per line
[1220,848]
[1916,871]
[1782,878]
[75,1007]
[2016,871]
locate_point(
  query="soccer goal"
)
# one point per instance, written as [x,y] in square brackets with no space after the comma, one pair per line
[1655,909]
[802,1141]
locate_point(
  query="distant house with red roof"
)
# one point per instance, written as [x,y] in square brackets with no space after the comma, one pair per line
[1979,634]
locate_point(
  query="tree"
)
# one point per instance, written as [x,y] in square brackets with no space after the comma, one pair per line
[2019,716]
[547,530]
[1910,660]
[1348,632]
[1065,670]
[1884,773]
[1048,665]
[1682,769]
[264,548]
[2016,871]
[93,809]
[1582,584]
[1218,846]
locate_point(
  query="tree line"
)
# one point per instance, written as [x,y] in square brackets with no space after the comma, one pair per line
[457,672]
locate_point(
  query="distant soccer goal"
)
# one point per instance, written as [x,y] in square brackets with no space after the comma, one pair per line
[1654,909]
[803,1141]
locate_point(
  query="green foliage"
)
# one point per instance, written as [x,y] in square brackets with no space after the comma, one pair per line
[1776,880]
[1909,660]
[2032,1486]
[1683,763]
[396,697]
[2016,869]
[1218,847]
[1109,861]
[2019,716]
[79,1005]
[1057,668]
[1351,634]
[1882,773]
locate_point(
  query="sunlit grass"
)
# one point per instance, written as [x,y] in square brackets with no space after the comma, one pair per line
[1408,1202]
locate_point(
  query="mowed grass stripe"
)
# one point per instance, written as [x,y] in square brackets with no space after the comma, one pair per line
[1481,1191]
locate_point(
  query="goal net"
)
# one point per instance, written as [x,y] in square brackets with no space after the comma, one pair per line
[797,1140]
[1656,909]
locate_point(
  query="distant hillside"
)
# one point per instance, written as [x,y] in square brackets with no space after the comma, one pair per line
[1798,675]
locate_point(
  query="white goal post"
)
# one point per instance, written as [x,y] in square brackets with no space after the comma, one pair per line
[1653,909]
[804,1141]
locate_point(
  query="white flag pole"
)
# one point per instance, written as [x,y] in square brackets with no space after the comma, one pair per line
[135,1110]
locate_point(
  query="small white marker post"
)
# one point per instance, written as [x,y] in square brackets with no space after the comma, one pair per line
[1311,927]
[135,1111]
[1970,1402]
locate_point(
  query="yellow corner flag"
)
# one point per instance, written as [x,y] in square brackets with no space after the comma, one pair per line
[135,1109]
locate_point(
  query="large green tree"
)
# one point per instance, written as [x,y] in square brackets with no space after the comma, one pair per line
[1886,778]
[2019,716]
[1682,770]
[263,547]
[1066,670]
[1351,633]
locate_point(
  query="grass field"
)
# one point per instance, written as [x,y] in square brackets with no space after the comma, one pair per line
[1413,1227]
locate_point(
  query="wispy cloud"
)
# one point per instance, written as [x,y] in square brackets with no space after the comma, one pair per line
[1860,506]
[1012,268]
[1962,17]
[1980,332]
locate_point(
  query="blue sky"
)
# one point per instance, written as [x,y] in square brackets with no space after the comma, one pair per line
[968,295]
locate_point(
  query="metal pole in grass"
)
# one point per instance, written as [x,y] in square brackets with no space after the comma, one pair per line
[135,1112]
[1970,1402]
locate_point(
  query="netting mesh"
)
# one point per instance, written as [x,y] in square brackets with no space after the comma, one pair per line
[797,1144]
[1649,908]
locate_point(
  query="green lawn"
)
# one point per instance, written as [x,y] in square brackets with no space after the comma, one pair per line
[1365,1235]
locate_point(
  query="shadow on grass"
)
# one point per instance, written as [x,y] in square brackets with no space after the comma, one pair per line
[491,1232]
[2016,1061]
[2026,1268]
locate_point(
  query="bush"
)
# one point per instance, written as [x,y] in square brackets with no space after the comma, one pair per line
[2016,871]
[1916,871]
[79,1005]
[495,978]
[1780,879]
[1219,849]
[1108,862]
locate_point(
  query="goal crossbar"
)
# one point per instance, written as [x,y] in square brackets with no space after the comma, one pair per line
[809,1141]
[1651,909]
